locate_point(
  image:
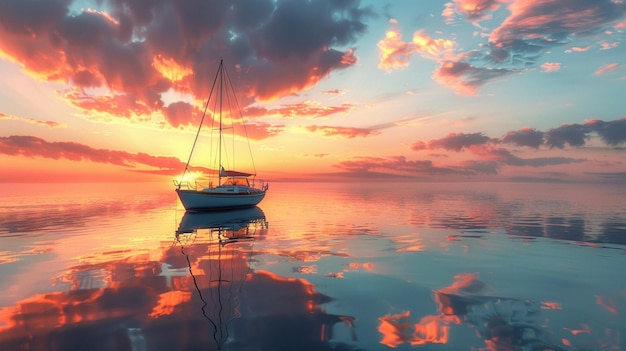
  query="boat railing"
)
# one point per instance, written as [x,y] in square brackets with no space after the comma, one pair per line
[259,184]
[194,185]
[187,185]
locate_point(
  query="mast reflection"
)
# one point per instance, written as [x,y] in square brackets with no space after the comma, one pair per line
[250,309]
[230,234]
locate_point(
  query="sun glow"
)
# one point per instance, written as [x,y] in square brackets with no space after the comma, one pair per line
[187,178]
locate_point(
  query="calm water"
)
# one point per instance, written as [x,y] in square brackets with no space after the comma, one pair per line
[315,267]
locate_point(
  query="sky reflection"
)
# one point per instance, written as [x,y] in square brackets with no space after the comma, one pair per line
[318,266]
[141,303]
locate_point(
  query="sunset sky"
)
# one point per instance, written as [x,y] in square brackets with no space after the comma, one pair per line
[497,90]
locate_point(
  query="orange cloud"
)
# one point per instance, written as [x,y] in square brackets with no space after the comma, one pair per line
[170,69]
[396,330]
[475,10]
[50,124]
[395,53]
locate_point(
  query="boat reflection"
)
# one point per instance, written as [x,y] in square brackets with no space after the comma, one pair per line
[228,222]
[219,277]
[247,309]
[199,292]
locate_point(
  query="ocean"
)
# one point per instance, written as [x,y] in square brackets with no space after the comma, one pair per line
[316,266]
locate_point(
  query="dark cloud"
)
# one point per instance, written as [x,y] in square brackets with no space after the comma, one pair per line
[536,26]
[572,134]
[505,157]
[482,167]
[466,78]
[453,142]
[489,158]
[301,28]
[618,176]
[611,132]
[141,49]
[398,164]
[525,137]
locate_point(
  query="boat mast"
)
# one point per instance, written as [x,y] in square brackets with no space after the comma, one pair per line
[221,97]
[193,147]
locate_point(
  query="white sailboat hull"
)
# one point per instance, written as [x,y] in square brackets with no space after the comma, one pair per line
[194,200]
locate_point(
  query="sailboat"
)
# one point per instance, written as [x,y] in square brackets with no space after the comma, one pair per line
[232,189]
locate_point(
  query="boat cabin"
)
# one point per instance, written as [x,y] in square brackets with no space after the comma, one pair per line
[236,181]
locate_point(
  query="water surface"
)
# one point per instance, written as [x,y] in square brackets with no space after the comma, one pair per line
[317,266]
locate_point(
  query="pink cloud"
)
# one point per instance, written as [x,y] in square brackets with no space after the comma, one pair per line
[334,92]
[260,130]
[551,66]
[347,132]
[306,109]
[531,30]
[578,49]
[30,146]
[608,68]
[182,114]
[539,19]
[115,105]
[607,46]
